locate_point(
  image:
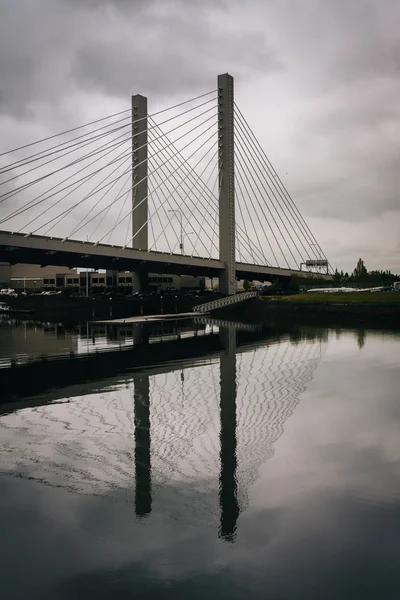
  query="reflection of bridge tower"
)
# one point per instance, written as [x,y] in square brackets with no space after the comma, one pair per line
[227,480]
[142,445]
[207,443]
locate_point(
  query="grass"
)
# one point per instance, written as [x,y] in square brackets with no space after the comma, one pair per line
[357,298]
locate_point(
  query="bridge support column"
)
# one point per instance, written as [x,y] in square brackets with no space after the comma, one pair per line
[226,169]
[139,182]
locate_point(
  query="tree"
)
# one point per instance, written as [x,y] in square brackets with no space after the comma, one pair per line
[361,270]
[337,277]
[247,285]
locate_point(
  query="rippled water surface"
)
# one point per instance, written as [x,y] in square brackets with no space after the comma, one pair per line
[199,461]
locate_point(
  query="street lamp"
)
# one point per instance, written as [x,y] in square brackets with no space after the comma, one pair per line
[179,212]
[186,235]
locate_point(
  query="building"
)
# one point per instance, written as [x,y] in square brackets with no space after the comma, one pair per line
[33,278]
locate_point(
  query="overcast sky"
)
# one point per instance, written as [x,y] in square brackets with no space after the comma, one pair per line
[317,80]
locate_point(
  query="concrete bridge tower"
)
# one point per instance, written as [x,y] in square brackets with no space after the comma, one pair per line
[139,183]
[226,169]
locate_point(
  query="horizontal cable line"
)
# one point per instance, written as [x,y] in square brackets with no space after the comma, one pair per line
[241,140]
[281,186]
[121,112]
[199,148]
[255,162]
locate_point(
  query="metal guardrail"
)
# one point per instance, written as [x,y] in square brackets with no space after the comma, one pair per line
[221,302]
[206,320]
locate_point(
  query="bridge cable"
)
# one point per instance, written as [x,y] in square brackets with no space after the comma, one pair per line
[239,182]
[108,190]
[90,154]
[197,182]
[175,189]
[143,200]
[277,182]
[240,148]
[12,193]
[190,175]
[67,211]
[158,169]
[36,201]
[112,183]
[251,181]
[163,229]
[183,201]
[104,119]
[254,164]
[239,205]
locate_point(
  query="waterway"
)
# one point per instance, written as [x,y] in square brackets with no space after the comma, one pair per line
[199,460]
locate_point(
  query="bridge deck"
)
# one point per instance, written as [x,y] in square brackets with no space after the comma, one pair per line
[44,250]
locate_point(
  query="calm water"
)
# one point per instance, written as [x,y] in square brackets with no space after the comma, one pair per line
[199,462]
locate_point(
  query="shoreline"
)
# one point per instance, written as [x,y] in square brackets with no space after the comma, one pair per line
[359,310]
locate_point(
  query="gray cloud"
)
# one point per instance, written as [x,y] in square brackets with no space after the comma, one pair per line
[317,80]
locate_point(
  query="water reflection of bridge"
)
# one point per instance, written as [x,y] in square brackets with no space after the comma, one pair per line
[199,427]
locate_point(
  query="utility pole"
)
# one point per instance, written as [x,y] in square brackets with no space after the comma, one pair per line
[226,170]
[139,182]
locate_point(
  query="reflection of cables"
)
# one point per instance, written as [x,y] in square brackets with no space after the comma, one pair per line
[271,376]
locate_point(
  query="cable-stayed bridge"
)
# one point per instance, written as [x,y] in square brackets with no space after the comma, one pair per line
[185,190]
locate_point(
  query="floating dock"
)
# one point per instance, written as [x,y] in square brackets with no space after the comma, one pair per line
[147,319]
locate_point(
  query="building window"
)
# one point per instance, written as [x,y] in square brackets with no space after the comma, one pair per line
[69,280]
[45,281]
[129,280]
[95,280]
[101,279]
[76,280]
[122,279]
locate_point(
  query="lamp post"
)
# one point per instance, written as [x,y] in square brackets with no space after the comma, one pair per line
[179,212]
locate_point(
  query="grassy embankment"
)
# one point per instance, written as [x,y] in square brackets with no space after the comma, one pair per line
[351,308]
[375,299]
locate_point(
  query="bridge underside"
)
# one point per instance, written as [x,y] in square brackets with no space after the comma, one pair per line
[40,250]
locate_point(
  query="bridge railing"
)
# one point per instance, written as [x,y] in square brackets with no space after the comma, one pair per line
[221,302]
